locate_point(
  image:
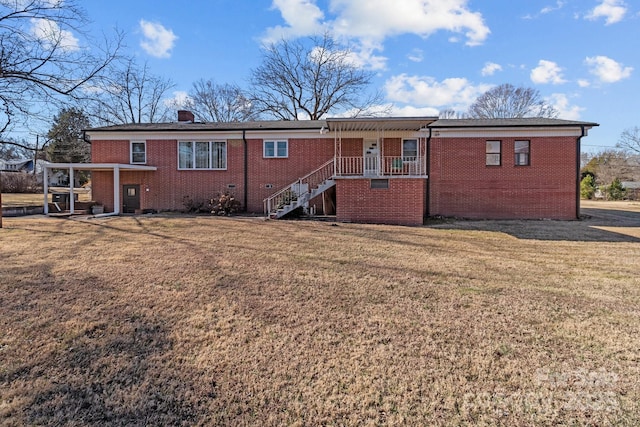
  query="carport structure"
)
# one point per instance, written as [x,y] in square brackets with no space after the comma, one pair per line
[116,168]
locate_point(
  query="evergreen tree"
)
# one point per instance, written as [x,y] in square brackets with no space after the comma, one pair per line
[587,187]
[616,191]
[67,144]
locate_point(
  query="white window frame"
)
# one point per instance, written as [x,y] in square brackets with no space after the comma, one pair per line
[492,163]
[404,156]
[275,143]
[144,143]
[520,155]
[211,150]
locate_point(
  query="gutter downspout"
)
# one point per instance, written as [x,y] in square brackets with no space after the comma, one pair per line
[246,172]
[427,210]
[578,141]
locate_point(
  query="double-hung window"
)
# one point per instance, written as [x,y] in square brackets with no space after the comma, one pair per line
[202,155]
[138,152]
[276,149]
[409,150]
[493,153]
[521,153]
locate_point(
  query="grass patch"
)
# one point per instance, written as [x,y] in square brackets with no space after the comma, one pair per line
[37,199]
[232,321]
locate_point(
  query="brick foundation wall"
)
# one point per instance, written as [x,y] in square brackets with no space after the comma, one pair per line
[402,203]
[462,185]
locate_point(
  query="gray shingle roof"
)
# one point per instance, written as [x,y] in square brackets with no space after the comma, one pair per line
[388,123]
[215,126]
[522,122]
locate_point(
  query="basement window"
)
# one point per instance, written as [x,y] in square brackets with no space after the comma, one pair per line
[493,153]
[379,184]
[138,153]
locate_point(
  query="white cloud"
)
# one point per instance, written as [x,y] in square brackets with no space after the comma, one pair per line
[410,111]
[372,21]
[423,91]
[365,56]
[50,33]
[158,40]
[180,99]
[303,18]
[584,83]
[607,70]
[612,10]
[490,68]
[566,111]
[378,19]
[548,9]
[547,72]
[416,55]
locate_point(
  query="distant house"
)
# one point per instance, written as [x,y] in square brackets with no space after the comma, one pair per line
[56,178]
[633,189]
[396,170]
[19,165]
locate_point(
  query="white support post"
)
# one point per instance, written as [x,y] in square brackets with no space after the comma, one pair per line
[116,190]
[72,204]
[45,185]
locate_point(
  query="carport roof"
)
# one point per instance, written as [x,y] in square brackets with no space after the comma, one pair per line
[100,166]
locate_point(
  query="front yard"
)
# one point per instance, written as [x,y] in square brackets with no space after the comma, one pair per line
[174,320]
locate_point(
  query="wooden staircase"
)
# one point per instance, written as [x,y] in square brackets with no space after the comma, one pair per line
[300,192]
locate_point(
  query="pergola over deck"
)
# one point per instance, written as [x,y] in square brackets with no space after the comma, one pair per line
[376,130]
[72,167]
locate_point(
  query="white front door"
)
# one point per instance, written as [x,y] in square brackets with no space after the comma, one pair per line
[371,157]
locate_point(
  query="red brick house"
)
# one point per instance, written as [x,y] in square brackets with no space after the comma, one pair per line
[396,170]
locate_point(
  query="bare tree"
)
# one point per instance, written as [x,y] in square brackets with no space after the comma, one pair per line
[298,80]
[450,113]
[41,59]
[130,94]
[212,102]
[630,140]
[507,101]
[611,164]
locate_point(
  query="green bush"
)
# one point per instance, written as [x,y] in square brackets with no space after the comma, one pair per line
[616,191]
[587,187]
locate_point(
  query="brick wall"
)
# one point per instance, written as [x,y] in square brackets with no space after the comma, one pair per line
[402,203]
[166,188]
[305,155]
[462,185]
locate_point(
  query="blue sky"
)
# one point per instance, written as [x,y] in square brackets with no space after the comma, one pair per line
[427,55]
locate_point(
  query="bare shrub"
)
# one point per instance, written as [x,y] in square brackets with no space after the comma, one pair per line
[19,183]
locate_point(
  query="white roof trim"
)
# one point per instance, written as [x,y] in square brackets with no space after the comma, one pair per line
[100,166]
[507,132]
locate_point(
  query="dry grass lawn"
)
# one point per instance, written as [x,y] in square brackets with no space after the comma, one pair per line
[174,320]
[37,199]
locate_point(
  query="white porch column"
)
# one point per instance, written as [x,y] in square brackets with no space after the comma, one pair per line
[116,190]
[72,202]
[45,185]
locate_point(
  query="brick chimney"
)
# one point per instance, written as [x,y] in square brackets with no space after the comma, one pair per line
[185,116]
